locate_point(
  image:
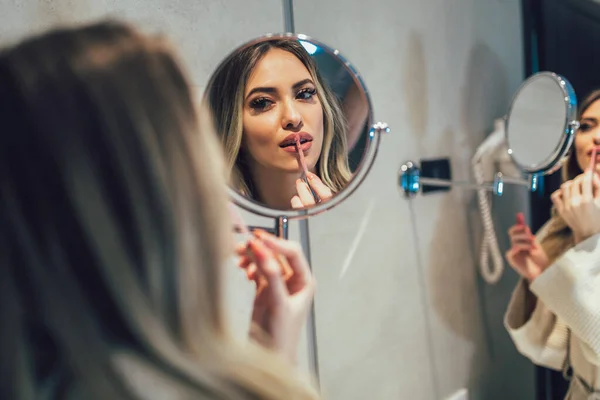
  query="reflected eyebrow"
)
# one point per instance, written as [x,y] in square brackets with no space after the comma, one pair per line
[590,119]
[273,90]
[302,83]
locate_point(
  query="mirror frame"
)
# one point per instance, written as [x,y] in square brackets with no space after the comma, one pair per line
[553,162]
[361,171]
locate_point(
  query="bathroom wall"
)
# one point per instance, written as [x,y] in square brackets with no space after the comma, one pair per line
[401,310]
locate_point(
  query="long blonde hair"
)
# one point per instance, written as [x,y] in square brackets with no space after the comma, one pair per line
[559,236]
[114,227]
[225,98]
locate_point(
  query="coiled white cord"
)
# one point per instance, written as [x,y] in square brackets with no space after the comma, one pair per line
[490,241]
[495,144]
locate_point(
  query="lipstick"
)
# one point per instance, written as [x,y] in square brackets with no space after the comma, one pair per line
[520,219]
[304,168]
[301,159]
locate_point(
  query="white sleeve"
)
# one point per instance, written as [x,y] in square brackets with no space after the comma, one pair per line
[570,288]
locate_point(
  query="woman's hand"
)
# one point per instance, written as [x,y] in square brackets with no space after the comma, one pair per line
[578,203]
[304,198]
[525,256]
[285,290]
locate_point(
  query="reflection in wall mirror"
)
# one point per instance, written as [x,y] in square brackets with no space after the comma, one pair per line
[296,123]
[539,130]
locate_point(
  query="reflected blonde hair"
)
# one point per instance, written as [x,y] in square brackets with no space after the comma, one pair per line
[559,237]
[114,228]
[225,98]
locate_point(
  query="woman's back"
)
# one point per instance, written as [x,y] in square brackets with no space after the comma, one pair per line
[114,228]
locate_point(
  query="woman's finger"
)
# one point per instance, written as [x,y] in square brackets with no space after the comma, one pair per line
[296,202]
[557,200]
[509,256]
[587,186]
[577,187]
[524,237]
[567,194]
[291,251]
[268,266]
[522,247]
[244,262]
[251,272]
[596,185]
[517,229]
[558,193]
[319,187]
[304,193]
[241,249]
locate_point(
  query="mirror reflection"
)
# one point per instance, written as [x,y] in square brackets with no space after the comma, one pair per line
[293,119]
[540,121]
[555,304]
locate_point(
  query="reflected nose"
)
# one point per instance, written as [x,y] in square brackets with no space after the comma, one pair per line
[291,118]
[597,138]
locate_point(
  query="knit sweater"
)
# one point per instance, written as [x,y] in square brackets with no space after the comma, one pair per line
[564,326]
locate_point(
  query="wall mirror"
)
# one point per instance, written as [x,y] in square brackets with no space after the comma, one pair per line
[296,123]
[539,130]
[541,122]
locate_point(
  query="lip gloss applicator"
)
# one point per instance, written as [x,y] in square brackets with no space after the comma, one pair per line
[242,228]
[304,167]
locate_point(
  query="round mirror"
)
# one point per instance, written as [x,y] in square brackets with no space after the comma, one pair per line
[296,123]
[541,122]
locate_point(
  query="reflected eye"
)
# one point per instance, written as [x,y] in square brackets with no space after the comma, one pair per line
[586,127]
[306,94]
[260,103]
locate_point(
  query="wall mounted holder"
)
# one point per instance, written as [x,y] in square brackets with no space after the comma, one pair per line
[411,181]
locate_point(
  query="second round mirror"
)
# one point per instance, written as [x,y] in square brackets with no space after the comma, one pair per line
[541,123]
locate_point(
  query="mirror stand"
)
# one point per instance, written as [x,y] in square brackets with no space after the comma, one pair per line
[411,181]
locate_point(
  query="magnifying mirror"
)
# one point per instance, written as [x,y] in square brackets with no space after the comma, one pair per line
[296,123]
[539,129]
[541,122]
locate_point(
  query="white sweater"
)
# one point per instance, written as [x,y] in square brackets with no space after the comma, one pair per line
[568,298]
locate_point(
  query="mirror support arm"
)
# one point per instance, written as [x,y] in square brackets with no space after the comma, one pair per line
[281,227]
[410,180]
[449,183]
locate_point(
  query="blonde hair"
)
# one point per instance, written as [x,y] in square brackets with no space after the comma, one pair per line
[559,236]
[225,98]
[114,226]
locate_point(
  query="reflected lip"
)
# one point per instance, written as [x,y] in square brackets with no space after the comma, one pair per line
[589,153]
[290,140]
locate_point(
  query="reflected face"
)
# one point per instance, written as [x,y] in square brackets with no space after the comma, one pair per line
[588,136]
[281,102]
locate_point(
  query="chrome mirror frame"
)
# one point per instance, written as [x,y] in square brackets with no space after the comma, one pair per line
[553,162]
[365,165]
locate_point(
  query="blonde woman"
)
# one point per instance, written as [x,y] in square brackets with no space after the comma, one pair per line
[115,231]
[554,313]
[261,97]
